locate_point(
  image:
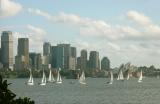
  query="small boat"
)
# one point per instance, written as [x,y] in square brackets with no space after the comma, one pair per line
[128,76]
[30,81]
[120,75]
[59,79]
[82,78]
[43,81]
[140,78]
[51,78]
[111,78]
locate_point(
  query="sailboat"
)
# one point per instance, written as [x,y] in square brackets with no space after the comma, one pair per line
[59,79]
[128,76]
[51,78]
[30,81]
[82,78]
[111,78]
[120,75]
[43,81]
[140,78]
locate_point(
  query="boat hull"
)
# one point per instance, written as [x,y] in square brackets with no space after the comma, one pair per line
[42,84]
[30,84]
[58,82]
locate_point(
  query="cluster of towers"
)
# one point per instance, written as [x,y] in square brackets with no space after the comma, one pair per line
[62,56]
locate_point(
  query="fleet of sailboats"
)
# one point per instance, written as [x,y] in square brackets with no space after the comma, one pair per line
[82,78]
[30,81]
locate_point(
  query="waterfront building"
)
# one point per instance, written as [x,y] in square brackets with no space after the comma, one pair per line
[73,59]
[23,52]
[35,61]
[46,58]
[94,63]
[64,57]
[83,60]
[105,63]
[46,48]
[78,66]
[7,49]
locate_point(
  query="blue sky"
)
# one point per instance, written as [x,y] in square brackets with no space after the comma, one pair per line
[123,30]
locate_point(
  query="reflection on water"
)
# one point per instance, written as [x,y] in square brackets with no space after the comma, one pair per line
[95,92]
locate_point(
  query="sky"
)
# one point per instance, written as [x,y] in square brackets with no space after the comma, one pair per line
[122,30]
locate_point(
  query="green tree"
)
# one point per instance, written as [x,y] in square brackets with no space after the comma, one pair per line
[8,97]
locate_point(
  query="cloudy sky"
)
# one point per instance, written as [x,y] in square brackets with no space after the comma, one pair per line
[122,30]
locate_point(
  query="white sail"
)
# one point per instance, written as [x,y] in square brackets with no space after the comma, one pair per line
[59,79]
[51,78]
[30,81]
[128,76]
[111,78]
[141,76]
[43,81]
[82,78]
[120,75]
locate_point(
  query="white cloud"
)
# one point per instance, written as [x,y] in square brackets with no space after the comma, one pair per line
[36,37]
[150,30]
[37,30]
[122,43]
[9,8]
[139,18]
[90,27]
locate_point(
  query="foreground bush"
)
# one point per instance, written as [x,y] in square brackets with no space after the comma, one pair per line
[8,97]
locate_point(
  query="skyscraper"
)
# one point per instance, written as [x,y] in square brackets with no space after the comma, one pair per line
[105,63]
[46,49]
[73,59]
[63,56]
[23,50]
[46,59]
[83,60]
[54,56]
[7,49]
[94,63]
[78,66]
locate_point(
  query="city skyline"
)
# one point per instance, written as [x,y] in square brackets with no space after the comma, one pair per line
[122,31]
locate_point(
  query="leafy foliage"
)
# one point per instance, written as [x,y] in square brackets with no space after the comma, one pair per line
[8,97]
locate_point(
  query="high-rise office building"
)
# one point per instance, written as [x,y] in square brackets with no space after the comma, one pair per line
[94,63]
[83,60]
[46,58]
[23,51]
[35,61]
[46,49]
[7,49]
[63,56]
[73,59]
[78,66]
[105,64]
[54,56]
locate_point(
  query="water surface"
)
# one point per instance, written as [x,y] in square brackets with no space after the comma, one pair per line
[95,92]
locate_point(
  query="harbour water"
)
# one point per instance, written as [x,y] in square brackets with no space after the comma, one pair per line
[95,92]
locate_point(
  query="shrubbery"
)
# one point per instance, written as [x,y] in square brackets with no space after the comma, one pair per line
[8,97]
